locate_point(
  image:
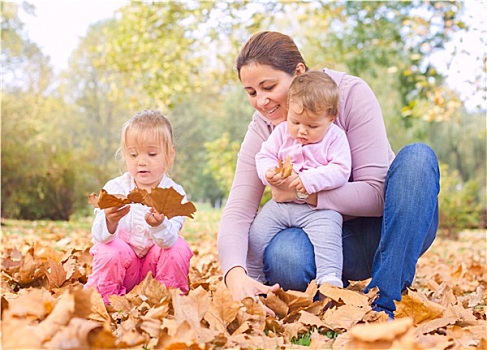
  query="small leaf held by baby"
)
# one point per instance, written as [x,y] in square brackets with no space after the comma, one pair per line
[285,169]
[166,201]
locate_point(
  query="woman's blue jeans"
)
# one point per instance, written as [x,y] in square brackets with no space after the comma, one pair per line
[385,248]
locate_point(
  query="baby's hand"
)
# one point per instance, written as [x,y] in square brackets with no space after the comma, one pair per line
[297,184]
[153,218]
[273,178]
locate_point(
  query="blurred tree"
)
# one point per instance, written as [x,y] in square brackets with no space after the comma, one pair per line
[37,181]
[154,46]
[221,161]
[98,109]
[179,57]
[362,36]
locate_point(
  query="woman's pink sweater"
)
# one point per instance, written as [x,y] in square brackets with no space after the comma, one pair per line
[360,116]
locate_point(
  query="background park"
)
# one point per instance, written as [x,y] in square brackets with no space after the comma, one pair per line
[60,131]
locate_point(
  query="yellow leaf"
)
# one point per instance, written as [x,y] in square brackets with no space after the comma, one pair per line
[418,307]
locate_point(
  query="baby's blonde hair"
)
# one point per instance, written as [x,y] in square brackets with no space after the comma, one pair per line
[145,124]
[316,92]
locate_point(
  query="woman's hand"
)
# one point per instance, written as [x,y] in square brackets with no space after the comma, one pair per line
[113,215]
[153,218]
[241,286]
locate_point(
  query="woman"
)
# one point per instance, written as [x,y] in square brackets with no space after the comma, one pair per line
[389,205]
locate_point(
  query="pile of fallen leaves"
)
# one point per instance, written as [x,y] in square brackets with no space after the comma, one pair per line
[44,304]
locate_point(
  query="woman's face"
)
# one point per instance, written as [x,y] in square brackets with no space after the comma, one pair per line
[267,90]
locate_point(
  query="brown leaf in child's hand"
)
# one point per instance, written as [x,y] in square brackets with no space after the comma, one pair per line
[168,202]
[164,200]
[106,200]
[137,195]
[285,169]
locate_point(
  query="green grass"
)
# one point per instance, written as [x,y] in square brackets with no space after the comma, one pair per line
[206,222]
[12,226]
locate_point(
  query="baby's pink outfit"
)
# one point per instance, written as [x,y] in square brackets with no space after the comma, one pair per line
[123,259]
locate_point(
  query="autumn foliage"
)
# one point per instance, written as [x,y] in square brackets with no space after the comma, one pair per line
[284,168]
[165,201]
[44,304]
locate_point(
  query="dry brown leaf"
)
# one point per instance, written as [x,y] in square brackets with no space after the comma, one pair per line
[344,296]
[106,200]
[417,306]
[91,302]
[19,333]
[343,317]
[74,336]
[137,195]
[35,317]
[150,290]
[55,274]
[251,317]
[279,306]
[430,326]
[183,337]
[463,316]
[60,316]
[222,310]
[127,333]
[191,308]
[381,331]
[166,201]
[285,169]
[295,300]
[398,334]
[309,319]
[462,337]
[151,321]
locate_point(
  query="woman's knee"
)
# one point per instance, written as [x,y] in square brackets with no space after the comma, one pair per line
[289,260]
[418,155]
[415,166]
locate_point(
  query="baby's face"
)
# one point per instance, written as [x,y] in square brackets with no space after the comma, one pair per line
[145,161]
[307,127]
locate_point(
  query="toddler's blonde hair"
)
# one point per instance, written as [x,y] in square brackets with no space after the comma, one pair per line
[316,92]
[149,124]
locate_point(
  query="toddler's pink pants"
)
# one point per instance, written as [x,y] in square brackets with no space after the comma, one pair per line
[117,269]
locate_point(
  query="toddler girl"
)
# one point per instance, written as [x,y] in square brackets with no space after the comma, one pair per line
[133,239]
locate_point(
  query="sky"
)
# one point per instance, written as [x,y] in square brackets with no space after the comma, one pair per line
[58,26]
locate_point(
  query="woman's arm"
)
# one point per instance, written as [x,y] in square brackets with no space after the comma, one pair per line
[243,201]
[361,118]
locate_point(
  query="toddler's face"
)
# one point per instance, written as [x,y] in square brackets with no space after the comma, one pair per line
[307,127]
[145,161]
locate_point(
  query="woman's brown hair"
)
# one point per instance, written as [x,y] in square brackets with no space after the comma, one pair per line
[270,48]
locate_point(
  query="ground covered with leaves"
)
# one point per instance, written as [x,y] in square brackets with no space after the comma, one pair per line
[44,305]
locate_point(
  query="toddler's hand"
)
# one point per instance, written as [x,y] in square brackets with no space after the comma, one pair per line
[274,179]
[297,184]
[113,215]
[153,218]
